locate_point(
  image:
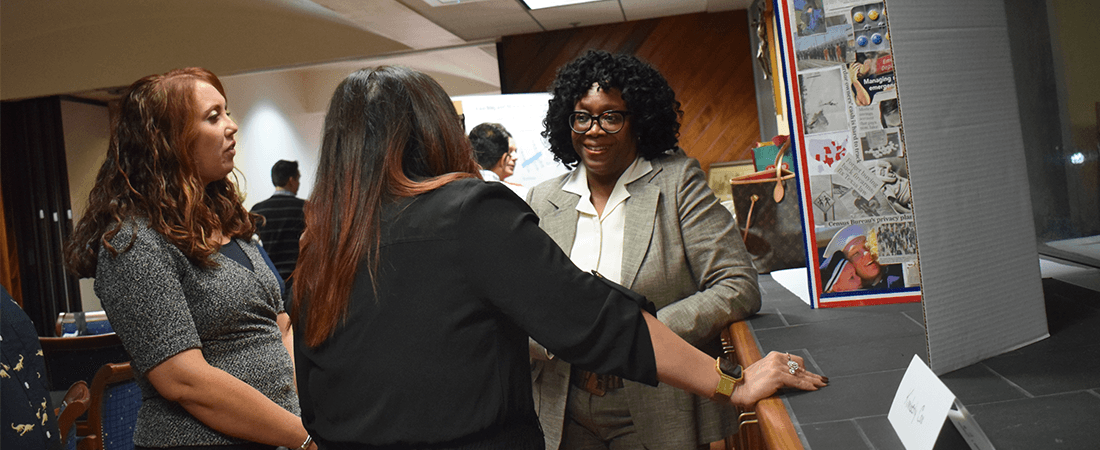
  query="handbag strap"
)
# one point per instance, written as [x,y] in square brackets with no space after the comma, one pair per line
[778,193]
[748,217]
[779,158]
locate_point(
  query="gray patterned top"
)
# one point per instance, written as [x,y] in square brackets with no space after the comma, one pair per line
[160,305]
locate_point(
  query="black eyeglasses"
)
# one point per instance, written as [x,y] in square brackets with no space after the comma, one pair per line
[611,122]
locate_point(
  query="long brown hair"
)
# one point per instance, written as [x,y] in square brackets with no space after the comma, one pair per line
[390,133]
[150,173]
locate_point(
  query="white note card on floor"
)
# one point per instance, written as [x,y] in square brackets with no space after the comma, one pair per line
[920,406]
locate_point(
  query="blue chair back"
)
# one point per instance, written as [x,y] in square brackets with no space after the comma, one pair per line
[112,416]
[120,409]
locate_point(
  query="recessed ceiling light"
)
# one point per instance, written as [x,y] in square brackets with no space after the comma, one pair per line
[540,4]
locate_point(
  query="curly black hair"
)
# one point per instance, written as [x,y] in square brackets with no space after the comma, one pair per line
[655,112]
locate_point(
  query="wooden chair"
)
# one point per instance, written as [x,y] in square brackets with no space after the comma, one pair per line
[87,323]
[112,415]
[75,403]
[71,359]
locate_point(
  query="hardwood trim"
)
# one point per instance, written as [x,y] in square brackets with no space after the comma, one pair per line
[774,424]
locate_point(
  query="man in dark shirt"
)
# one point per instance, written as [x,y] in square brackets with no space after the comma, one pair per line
[284,217]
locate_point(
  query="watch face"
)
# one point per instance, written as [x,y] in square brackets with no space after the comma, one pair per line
[731,369]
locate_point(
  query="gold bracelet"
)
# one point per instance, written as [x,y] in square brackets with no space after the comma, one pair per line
[305,445]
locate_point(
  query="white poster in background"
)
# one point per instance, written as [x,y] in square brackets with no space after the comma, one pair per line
[522,116]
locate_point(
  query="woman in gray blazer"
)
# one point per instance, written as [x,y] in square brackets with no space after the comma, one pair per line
[639,211]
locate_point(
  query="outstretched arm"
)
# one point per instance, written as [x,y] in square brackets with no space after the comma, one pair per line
[681,365]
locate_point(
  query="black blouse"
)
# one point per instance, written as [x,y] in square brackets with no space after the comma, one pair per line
[465,276]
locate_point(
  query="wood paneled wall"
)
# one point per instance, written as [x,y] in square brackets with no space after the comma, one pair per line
[706,58]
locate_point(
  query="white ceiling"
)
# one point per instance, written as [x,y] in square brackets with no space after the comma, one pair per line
[86,47]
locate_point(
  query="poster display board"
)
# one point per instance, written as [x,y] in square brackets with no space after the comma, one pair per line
[846,129]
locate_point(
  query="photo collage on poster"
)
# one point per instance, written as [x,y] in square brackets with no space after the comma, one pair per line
[854,147]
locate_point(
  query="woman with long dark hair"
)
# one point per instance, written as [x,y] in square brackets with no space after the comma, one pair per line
[197,305]
[418,285]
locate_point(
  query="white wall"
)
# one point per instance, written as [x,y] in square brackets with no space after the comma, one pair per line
[86,137]
[277,120]
[281,114]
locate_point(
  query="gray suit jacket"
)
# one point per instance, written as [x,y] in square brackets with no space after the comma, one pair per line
[682,250]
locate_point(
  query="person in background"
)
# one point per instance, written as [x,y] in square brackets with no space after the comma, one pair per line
[196,304]
[873,274]
[839,275]
[641,213]
[419,284]
[495,150]
[283,217]
[28,415]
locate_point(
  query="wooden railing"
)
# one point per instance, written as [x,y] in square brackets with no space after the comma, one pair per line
[766,426]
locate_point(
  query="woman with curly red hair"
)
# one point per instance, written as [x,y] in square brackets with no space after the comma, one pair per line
[196,303]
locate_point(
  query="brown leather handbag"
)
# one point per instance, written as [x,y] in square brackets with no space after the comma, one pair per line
[769,216]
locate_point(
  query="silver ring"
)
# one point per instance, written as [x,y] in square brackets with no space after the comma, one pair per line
[792,367]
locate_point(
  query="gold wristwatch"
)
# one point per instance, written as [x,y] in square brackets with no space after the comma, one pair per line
[729,375]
